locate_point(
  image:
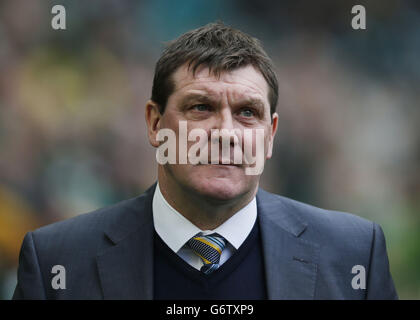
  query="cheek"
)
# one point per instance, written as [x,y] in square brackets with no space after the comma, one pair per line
[169,123]
[268,144]
[258,138]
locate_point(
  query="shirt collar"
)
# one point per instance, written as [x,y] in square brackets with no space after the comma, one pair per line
[175,230]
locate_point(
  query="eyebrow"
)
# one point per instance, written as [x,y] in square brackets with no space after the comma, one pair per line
[252,102]
[247,102]
[195,97]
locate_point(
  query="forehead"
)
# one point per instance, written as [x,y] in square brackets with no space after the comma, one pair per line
[244,82]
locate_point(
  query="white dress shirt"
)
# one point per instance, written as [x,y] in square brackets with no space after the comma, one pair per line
[175,230]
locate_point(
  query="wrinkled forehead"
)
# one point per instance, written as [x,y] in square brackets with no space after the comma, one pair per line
[245,81]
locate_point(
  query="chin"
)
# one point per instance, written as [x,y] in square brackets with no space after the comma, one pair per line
[218,188]
[218,183]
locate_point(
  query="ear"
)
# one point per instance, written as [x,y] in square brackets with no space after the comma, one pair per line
[153,118]
[272,135]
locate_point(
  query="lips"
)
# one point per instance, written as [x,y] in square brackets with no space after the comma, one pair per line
[229,164]
[226,161]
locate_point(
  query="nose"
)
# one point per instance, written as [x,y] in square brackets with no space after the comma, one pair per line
[225,120]
[227,128]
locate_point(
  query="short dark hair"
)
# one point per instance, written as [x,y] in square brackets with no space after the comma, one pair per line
[220,48]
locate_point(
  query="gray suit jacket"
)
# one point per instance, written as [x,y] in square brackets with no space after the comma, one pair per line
[308,253]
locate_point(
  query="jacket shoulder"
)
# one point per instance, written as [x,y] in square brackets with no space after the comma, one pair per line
[87,231]
[327,226]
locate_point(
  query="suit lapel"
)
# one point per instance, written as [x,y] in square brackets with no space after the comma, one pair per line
[290,261]
[126,268]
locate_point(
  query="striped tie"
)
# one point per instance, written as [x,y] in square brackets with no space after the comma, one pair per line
[208,248]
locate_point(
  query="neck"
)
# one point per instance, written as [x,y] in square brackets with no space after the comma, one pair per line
[205,212]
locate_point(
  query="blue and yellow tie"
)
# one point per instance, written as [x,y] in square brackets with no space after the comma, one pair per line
[208,248]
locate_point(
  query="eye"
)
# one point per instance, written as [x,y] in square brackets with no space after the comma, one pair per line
[201,107]
[247,113]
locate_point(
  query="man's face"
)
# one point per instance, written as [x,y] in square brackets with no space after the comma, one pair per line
[235,100]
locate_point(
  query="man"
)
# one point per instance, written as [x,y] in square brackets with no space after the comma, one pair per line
[206,230]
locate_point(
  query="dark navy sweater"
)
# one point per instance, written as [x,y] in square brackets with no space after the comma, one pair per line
[240,277]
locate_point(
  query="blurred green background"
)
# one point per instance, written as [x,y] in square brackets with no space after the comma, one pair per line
[73,135]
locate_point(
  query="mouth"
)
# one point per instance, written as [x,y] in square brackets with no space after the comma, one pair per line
[225,162]
[224,165]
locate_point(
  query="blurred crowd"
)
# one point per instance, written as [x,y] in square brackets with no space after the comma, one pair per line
[73,135]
